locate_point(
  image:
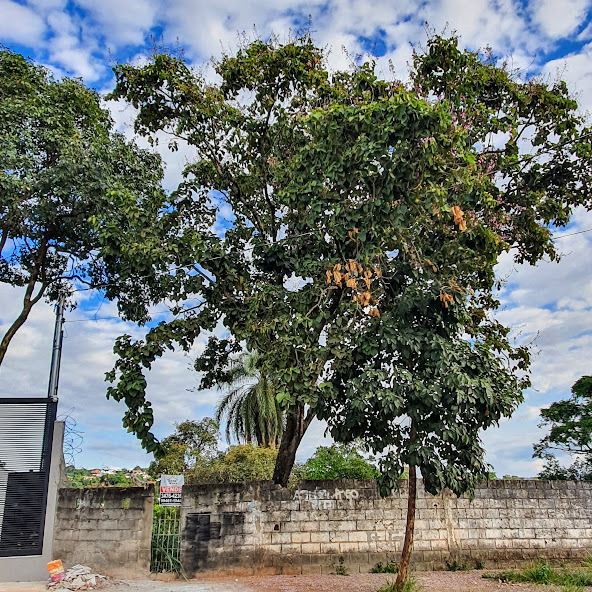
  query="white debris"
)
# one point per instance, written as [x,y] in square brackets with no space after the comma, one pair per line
[78,577]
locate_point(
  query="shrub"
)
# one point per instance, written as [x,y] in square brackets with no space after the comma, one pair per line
[237,464]
[339,461]
[388,567]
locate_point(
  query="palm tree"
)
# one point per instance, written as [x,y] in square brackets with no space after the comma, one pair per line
[250,406]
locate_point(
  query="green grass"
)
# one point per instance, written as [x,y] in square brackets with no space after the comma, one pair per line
[571,578]
[411,585]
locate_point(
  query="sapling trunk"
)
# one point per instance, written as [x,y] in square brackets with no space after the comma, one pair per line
[409,527]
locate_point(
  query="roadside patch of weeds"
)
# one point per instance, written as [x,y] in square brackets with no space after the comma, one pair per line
[341,568]
[388,567]
[456,564]
[411,585]
[571,578]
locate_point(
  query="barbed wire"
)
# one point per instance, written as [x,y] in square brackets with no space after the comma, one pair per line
[73,438]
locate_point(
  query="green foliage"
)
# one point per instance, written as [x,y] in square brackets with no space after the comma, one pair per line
[388,567]
[411,585]
[79,478]
[62,170]
[341,568]
[250,406]
[543,573]
[456,564]
[236,465]
[75,477]
[580,470]
[339,461]
[191,443]
[368,220]
[570,421]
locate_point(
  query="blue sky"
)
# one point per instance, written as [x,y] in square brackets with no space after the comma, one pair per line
[550,304]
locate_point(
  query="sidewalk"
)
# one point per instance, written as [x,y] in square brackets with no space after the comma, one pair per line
[22,587]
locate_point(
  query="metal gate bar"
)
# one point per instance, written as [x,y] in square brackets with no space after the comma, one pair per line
[166,537]
[26,437]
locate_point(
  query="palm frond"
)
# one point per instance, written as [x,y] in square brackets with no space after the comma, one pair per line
[250,406]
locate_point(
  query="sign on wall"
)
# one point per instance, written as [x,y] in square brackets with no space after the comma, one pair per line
[170,489]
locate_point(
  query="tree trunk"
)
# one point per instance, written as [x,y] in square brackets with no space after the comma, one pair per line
[29,300]
[296,425]
[408,543]
[259,434]
[18,323]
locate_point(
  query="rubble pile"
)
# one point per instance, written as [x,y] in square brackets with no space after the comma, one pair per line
[78,577]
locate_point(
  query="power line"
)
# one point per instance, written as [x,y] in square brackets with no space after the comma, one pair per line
[96,319]
[571,234]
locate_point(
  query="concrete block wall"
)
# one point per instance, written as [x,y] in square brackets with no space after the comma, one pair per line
[258,527]
[108,528]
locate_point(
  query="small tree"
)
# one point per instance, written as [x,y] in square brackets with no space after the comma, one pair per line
[191,442]
[63,171]
[338,461]
[250,406]
[235,465]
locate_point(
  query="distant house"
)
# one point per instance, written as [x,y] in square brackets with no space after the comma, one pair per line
[95,472]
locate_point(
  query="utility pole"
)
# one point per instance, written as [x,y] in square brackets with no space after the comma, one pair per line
[56,355]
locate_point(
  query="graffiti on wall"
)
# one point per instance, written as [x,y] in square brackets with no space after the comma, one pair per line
[322,499]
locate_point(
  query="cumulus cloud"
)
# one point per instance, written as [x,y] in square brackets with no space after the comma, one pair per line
[550,303]
[87,355]
[559,19]
[122,23]
[20,24]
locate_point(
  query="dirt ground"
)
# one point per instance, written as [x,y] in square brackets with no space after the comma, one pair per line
[438,581]
[470,581]
[442,581]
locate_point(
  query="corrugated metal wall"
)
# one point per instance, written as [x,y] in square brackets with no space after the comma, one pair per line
[26,435]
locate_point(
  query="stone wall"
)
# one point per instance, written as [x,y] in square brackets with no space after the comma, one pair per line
[242,528]
[107,528]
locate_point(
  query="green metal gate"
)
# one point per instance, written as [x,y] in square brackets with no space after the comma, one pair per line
[166,540]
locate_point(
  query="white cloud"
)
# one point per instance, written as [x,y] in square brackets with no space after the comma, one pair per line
[20,24]
[122,23]
[87,355]
[576,70]
[67,50]
[559,19]
[552,301]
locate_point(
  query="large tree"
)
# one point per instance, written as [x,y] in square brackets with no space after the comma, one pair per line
[367,218]
[64,171]
[570,423]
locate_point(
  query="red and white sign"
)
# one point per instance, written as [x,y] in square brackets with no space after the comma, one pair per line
[171,487]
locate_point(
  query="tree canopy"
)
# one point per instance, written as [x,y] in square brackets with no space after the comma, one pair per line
[191,443]
[235,465]
[338,461]
[62,170]
[367,218]
[570,421]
